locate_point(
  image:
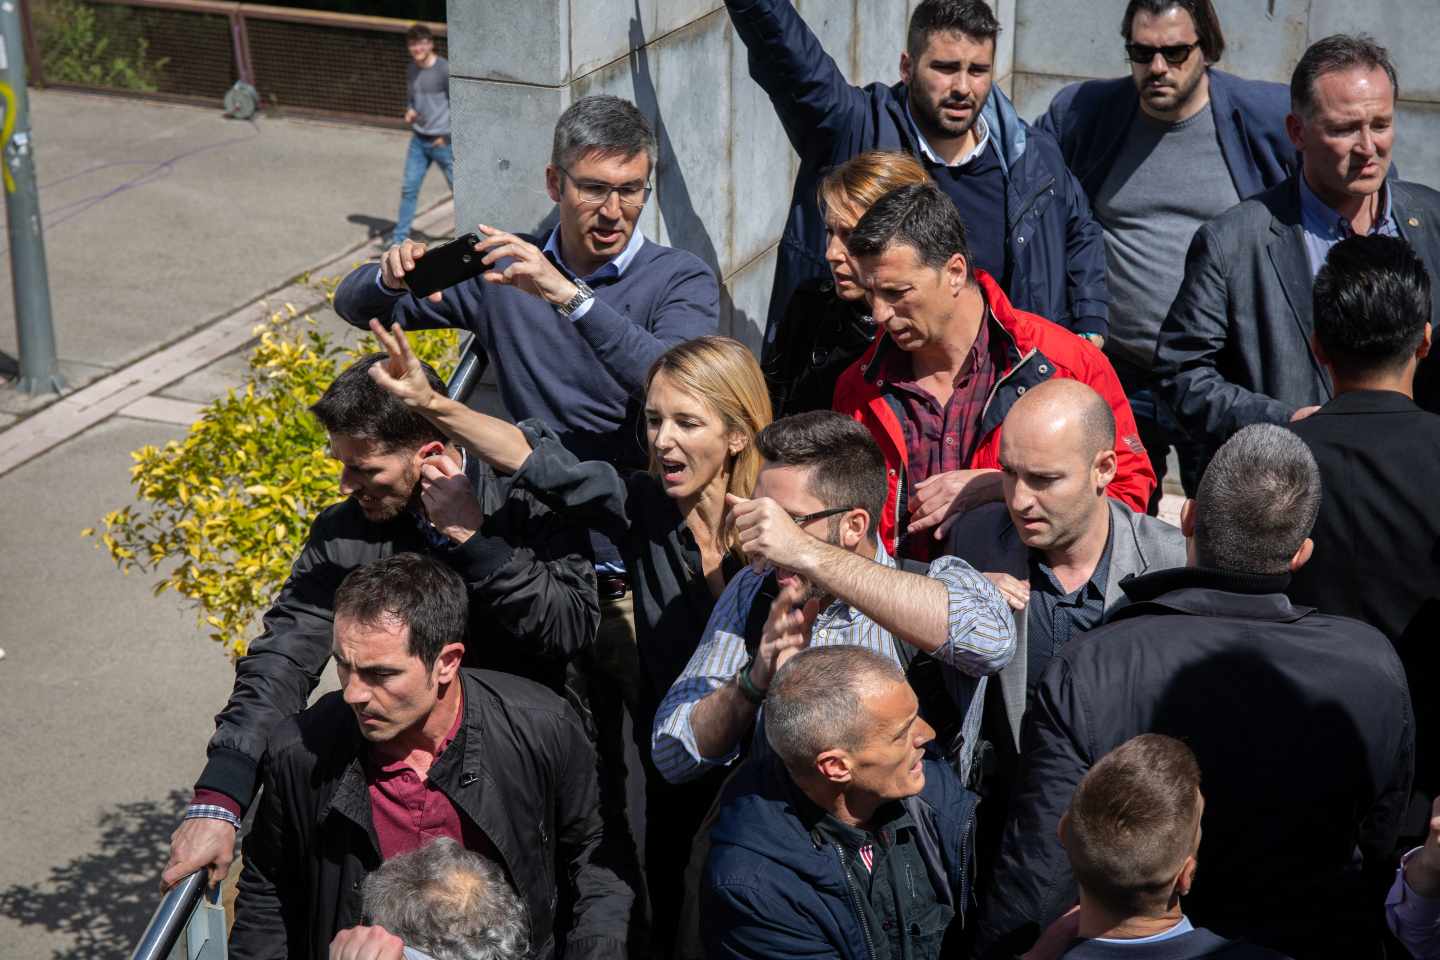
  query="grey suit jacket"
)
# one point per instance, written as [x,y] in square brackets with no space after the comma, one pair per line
[1235,347]
[986,539]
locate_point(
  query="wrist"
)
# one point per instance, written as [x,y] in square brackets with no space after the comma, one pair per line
[749,689]
[579,294]
[1422,876]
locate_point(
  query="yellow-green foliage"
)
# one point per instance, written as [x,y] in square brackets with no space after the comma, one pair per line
[225,510]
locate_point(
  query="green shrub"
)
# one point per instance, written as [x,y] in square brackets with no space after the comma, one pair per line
[223,512]
[94,47]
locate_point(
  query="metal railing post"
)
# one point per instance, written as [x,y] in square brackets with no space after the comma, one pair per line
[39,370]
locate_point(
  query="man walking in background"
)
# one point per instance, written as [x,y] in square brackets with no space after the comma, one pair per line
[427,110]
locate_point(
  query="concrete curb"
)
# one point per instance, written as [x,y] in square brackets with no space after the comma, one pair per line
[116,392]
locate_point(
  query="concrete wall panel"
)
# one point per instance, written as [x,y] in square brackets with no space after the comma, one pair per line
[1407,28]
[1417,148]
[672,14]
[691,70]
[515,42]
[882,37]
[1032,93]
[1259,44]
[601,33]
[834,23]
[763,163]
[502,178]
[749,301]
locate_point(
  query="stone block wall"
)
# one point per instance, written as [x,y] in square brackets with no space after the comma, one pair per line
[725,169]
[1057,42]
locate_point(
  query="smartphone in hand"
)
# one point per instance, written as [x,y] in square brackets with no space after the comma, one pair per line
[446,265]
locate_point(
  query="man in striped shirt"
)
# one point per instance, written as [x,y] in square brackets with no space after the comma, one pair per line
[819,492]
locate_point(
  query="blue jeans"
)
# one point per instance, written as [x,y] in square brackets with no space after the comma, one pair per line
[418,158]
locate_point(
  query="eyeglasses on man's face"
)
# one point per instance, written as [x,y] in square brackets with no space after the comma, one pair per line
[1174,55]
[595,193]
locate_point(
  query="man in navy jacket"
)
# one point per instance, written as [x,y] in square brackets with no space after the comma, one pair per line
[845,841]
[1159,153]
[1007,179]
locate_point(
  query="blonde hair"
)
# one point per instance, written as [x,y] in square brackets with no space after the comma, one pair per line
[863,179]
[723,373]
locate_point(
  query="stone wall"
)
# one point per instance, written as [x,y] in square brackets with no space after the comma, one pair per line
[1059,41]
[726,169]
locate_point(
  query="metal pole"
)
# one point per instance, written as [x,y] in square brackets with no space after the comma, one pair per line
[29,278]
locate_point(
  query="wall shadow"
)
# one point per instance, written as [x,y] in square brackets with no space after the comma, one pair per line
[103,899]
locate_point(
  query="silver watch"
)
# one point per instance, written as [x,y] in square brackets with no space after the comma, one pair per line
[583,295]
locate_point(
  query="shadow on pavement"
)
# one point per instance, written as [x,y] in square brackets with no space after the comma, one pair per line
[104,898]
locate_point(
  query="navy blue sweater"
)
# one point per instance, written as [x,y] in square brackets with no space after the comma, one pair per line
[586,379]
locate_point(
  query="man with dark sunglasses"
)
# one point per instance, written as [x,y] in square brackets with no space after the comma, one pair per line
[1160,153]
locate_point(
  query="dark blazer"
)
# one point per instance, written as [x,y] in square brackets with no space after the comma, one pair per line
[1091,120]
[986,539]
[1377,539]
[1195,945]
[1235,347]
[1056,248]
[1302,726]
[521,769]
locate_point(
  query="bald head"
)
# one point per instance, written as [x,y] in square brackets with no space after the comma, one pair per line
[1069,412]
[1057,449]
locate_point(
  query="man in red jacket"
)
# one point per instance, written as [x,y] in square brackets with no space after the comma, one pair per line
[953,356]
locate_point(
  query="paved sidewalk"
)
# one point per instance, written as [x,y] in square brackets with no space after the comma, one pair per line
[107,693]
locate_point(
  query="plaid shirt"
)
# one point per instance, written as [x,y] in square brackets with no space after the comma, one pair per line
[981,642]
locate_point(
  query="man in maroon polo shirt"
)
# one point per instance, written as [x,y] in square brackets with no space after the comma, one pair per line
[413,748]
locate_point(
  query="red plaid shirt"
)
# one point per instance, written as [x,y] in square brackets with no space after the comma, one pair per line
[938,438]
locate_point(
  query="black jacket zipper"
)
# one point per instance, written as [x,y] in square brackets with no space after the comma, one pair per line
[856,902]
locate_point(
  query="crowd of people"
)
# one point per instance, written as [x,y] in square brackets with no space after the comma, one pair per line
[874,646]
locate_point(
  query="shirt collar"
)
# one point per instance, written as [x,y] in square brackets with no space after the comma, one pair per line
[1179,930]
[929,154]
[1320,219]
[610,270]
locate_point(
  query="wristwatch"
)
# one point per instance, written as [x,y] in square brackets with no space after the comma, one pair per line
[748,690]
[583,295]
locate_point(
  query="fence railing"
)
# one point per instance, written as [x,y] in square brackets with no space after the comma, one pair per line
[185,926]
[308,62]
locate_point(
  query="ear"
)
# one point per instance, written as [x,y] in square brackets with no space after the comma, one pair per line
[1319,351]
[905,67]
[427,450]
[1295,130]
[957,272]
[552,181]
[447,665]
[1186,878]
[1105,467]
[834,766]
[736,442]
[853,526]
[1423,351]
[1187,519]
[1063,827]
[1302,555]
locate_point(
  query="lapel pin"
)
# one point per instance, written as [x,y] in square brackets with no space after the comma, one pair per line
[1414,221]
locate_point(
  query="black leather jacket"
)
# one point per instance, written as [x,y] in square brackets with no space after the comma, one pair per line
[521,769]
[532,608]
[817,338]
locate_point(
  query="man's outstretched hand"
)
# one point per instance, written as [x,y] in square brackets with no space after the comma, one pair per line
[198,843]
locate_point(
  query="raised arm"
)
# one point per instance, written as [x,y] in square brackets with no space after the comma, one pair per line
[817,106]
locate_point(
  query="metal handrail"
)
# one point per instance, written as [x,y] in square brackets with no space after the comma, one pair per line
[170,918]
[473,361]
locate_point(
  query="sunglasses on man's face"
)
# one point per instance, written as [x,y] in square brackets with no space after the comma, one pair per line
[1174,55]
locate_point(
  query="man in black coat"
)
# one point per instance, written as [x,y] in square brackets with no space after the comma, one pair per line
[412,748]
[1301,723]
[1235,347]
[528,574]
[1376,536]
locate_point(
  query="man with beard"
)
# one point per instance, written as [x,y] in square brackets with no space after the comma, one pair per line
[531,587]
[812,519]
[1160,153]
[1029,217]
[1235,347]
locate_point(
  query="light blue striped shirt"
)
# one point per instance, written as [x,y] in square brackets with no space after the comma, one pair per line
[981,642]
